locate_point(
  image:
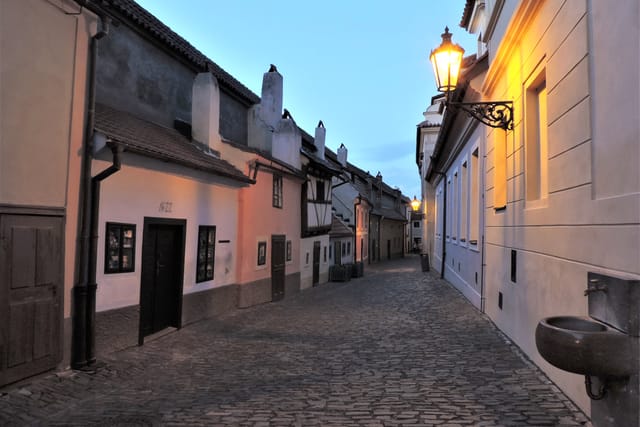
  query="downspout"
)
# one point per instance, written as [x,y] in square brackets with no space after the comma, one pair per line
[93,251]
[81,288]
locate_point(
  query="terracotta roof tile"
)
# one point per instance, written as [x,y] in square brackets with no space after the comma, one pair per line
[339,228]
[152,140]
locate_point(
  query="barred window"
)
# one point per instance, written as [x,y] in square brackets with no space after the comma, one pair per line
[277,191]
[206,253]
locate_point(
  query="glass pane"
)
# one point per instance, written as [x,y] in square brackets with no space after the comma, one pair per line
[114,237]
[212,236]
[127,258]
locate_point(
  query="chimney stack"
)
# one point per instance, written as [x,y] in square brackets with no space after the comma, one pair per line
[205,110]
[287,141]
[342,155]
[271,103]
[319,139]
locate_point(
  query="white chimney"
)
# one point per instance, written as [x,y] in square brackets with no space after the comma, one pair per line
[342,155]
[287,141]
[205,110]
[318,141]
[271,102]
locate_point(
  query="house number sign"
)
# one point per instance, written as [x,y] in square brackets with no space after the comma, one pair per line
[166,207]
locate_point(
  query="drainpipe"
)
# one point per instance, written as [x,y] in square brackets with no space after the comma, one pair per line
[93,251]
[81,288]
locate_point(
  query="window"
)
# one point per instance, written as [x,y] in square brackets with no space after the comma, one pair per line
[464,202]
[262,253]
[455,212]
[206,253]
[348,248]
[535,145]
[288,250]
[277,191]
[474,211]
[120,248]
[344,248]
[320,190]
[325,254]
[416,224]
[449,209]
[499,169]
[330,252]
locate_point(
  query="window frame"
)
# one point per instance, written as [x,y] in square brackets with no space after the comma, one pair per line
[109,247]
[209,244]
[277,195]
[536,139]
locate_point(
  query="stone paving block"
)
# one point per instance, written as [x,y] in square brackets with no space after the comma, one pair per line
[397,347]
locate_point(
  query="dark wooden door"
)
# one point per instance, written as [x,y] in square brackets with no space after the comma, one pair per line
[162,272]
[31,265]
[316,263]
[277,267]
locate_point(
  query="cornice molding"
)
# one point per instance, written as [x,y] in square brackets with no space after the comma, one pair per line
[522,18]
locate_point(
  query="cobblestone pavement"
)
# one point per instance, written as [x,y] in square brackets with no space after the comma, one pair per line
[396,347]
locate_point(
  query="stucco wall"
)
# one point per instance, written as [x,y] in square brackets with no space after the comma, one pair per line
[306,267]
[42,109]
[392,234]
[134,75]
[149,188]
[589,220]
[259,220]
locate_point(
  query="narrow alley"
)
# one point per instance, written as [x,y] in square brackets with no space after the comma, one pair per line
[395,347]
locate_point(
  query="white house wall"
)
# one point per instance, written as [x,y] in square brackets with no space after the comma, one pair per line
[306,260]
[589,220]
[134,193]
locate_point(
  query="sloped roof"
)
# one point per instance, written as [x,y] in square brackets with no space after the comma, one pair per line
[466,14]
[339,228]
[388,213]
[321,163]
[151,140]
[152,26]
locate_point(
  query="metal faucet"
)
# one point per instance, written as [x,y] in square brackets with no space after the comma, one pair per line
[595,285]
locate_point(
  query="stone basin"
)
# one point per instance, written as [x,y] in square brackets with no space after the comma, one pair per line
[585,346]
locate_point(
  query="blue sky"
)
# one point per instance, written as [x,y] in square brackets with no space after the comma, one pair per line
[362,67]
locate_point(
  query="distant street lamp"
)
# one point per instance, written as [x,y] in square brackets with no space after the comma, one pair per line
[415,204]
[447,60]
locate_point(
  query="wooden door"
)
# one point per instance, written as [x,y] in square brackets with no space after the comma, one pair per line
[277,267]
[316,263]
[162,276]
[31,271]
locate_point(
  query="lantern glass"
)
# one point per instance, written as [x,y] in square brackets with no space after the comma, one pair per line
[446,60]
[415,204]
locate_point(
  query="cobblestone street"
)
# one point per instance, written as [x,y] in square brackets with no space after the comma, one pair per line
[395,347]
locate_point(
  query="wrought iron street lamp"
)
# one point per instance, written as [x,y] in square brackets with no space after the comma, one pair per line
[447,61]
[415,204]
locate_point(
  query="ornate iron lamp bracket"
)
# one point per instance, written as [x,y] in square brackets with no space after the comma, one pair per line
[497,114]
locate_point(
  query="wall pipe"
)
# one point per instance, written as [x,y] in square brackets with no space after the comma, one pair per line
[92,285]
[81,288]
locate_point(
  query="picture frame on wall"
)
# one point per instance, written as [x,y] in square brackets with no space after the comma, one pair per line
[262,253]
